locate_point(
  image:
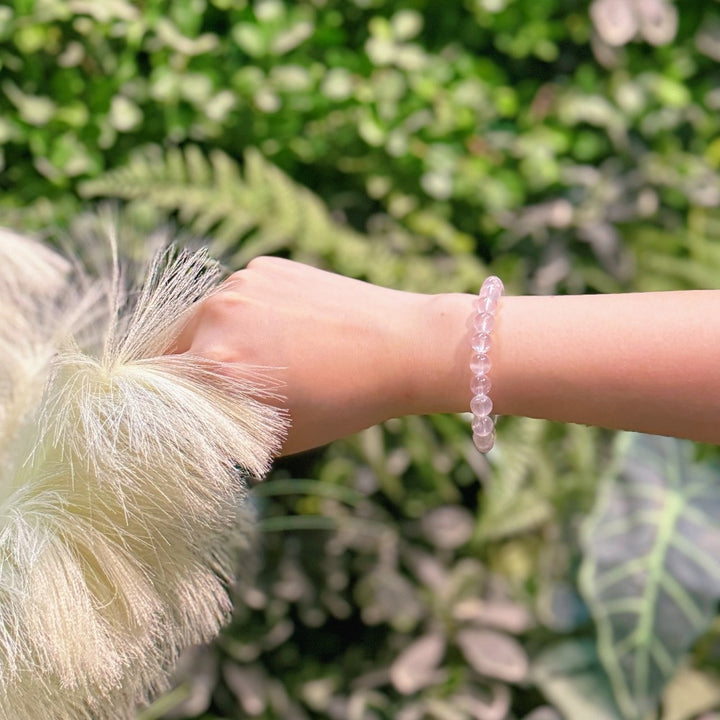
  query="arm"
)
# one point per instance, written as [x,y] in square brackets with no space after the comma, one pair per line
[347,354]
[639,361]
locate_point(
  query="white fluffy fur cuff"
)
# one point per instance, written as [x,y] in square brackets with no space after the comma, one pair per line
[122,482]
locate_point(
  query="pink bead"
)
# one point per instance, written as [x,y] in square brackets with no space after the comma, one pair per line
[481,405]
[480,385]
[484,443]
[483,425]
[491,281]
[486,304]
[484,322]
[480,364]
[481,343]
[492,287]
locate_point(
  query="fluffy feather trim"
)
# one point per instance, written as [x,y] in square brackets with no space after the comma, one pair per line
[122,483]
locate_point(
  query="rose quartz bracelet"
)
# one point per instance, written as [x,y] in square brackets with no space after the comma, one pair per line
[483,425]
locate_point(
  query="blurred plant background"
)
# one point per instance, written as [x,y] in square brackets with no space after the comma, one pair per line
[566,145]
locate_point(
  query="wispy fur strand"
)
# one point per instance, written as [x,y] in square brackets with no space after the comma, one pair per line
[121,482]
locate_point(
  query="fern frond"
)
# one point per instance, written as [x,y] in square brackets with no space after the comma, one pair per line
[261,210]
[511,504]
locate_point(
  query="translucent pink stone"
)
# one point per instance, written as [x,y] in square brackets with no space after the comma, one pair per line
[484,443]
[480,364]
[481,343]
[492,287]
[484,322]
[480,385]
[483,425]
[481,405]
[486,304]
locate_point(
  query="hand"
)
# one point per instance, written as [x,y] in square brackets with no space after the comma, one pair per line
[315,335]
[345,354]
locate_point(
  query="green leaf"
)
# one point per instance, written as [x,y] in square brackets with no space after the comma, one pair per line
[33,109]
[250,38]
[651,573]
[299,486]
[527,511]
[259,210]
[512,505]
[125,115]
[164,704]
[571,677]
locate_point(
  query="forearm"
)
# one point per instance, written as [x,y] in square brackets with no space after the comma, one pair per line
[648,362]
[343,355]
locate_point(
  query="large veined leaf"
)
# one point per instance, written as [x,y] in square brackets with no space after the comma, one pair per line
[570,676]
[651,568]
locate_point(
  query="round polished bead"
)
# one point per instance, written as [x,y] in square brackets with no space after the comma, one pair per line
[480,364]
[480,385]
[483,425]
[486,304]
[481,405]
[493,290]
[484,322]
[481,343]
[484,443]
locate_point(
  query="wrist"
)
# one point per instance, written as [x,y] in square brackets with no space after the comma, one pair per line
[440,377]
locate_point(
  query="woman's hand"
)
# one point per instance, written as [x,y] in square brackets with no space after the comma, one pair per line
[344,354]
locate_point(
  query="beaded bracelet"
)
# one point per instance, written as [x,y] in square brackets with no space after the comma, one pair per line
[483,425]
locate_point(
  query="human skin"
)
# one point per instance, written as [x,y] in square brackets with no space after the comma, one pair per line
[344,354]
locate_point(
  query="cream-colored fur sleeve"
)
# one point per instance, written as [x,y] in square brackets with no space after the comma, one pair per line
[122,482]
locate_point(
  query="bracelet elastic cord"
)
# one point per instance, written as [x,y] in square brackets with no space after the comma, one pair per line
[483,424]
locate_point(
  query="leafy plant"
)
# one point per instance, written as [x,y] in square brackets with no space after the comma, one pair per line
[262,211]
[570,675]
[651,575]
[567,146]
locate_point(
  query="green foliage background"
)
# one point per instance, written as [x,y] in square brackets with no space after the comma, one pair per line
[567,146]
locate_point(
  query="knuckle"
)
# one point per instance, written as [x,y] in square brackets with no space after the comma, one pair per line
[262,262]
[215,353]
[220,306]
[235,278]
